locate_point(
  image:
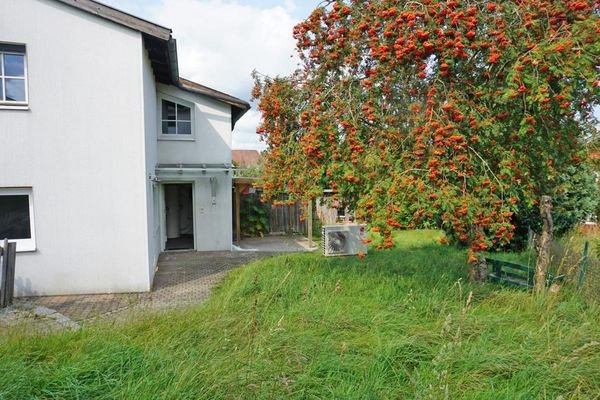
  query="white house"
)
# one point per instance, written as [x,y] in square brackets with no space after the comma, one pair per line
[107,156]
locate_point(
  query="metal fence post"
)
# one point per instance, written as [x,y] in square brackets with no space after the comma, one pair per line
[583,266]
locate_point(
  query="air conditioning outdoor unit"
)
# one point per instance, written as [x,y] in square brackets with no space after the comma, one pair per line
[344,240]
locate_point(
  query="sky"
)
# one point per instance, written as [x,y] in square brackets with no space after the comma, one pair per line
[220,43]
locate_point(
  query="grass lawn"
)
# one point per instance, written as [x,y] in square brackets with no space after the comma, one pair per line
[399,324]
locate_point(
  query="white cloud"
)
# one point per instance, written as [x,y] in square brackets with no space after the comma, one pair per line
[290,6]
[221,42]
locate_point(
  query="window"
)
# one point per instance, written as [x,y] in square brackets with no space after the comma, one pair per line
[13,74]
[16,218]
[176,119]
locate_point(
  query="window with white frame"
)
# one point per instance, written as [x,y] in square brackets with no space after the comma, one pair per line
[176,119]
[16,217]
[13,74]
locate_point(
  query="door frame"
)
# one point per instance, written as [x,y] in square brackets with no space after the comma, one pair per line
[163,211]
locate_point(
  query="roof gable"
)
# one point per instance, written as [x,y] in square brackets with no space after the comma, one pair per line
[162,51]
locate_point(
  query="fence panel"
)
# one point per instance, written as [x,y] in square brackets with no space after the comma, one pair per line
[327,215]
[589,278]
[287,219]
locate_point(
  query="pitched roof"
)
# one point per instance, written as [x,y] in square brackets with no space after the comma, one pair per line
[162,51]
[238,106]
[245,158]
[120,17]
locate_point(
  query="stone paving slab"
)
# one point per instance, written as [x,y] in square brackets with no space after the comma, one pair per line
[35,319]
[84,307]
[188,277]
[182,278]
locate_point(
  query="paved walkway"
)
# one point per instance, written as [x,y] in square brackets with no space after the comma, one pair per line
[182,278]
[279,244]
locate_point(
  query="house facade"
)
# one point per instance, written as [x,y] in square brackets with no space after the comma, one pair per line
[107,156]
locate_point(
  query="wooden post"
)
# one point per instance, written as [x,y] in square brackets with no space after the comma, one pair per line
[478,270]
[309,228]
[291,219]
[4,274]
[238,229]
[10,275]
[543,259]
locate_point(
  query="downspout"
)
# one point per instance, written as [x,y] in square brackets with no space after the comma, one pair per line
[173,63]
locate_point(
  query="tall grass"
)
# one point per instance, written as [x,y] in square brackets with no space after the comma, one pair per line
[567,258]
[397,324]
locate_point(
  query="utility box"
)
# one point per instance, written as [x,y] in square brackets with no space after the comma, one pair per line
[344,240]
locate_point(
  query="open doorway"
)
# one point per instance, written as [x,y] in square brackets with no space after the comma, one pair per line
[179,208]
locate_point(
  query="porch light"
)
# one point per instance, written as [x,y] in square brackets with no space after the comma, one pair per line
[213,189]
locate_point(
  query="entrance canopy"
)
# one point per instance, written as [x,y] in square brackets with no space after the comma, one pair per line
[175,171]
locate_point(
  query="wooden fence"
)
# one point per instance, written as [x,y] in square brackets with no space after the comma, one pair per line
[330,214]
[287,219]
[8,253]
[326,214]
[292,218]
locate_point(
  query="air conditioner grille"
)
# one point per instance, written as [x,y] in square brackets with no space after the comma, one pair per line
[339,240]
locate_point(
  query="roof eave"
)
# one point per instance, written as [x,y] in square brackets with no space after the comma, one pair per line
[237,113]
[121,18]
[239,107]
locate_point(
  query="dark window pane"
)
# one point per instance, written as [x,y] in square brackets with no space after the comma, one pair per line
[184,128]
[15,89]
[1,90]
[14,217]
[168,110]
[183,113]
[169,127]
[12,48]
[14,65]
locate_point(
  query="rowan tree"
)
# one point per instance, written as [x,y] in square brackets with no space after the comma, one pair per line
[452,113]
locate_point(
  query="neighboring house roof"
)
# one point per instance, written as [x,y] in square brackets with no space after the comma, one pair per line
[245,158]
[162,51]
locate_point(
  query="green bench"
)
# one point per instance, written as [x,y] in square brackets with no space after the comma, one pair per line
[516,274]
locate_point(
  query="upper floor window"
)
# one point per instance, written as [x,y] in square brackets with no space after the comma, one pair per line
[176,118]
[13,74]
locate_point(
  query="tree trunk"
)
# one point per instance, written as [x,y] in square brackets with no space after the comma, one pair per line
[478,270]
[543,258]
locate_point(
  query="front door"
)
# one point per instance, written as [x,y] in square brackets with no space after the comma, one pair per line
[179,218]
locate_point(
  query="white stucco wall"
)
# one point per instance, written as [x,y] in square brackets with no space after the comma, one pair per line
[211,144]
[212,131]
[80,147]
[151,158]
[213,221]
